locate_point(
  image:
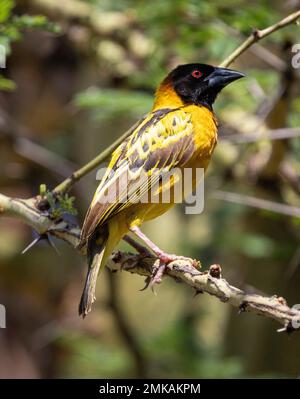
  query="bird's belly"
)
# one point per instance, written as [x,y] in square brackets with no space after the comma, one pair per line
[169,193]
[146,212]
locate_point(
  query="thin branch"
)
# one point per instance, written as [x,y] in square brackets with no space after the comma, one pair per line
[22,145]
[84,170]
[289,175]
[258,203]
[260,52]
[43,157]
[255,36]
[275,134]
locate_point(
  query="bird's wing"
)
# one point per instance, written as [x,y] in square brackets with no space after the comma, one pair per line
[162,141]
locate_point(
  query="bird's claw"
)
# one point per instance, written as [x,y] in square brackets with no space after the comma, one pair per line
[159,271]
[156,278]
[147,282]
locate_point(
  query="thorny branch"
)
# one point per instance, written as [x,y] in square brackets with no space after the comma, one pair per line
[211,282]
[28,211]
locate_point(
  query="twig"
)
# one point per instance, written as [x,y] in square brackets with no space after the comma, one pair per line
[43,157]
[255,36]
[258,35]
[289,175]
[275,134]
[262,53]
[22,145]
[84,170]
[259,203]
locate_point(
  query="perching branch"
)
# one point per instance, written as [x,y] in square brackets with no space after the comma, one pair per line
[255,37]
[208,281]
[258,35]
[211,282]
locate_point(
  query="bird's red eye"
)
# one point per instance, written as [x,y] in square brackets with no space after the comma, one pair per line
[196,74]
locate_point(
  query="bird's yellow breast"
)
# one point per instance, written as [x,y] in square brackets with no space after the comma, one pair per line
[203,119]
[205,139]
[205,131]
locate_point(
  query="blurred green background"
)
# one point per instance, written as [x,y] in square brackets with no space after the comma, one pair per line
[78,74]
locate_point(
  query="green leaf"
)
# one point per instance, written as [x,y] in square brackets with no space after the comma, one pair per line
[5,10]
[59,205]
[35,22]
[7,84]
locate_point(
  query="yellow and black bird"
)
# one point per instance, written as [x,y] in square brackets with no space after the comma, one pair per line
[179,132]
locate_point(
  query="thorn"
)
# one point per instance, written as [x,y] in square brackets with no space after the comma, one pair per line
[35,241]
[280,330]
[51,243]
[288,328]
[147,282]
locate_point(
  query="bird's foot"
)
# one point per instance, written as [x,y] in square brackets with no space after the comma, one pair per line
[164,260]
[157,276]
[168,258]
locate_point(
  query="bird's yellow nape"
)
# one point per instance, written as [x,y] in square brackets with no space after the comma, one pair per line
[166,96]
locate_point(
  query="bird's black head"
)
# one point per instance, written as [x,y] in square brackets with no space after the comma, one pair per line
[200,83]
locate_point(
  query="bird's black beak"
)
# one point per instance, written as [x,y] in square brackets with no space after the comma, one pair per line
[221,77]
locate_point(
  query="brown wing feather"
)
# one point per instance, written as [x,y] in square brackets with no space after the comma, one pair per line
[157,142]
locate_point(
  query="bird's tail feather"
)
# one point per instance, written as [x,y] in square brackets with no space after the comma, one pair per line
[95,253]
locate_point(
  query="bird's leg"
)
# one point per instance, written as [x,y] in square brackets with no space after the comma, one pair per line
[137,246]
[164,257]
